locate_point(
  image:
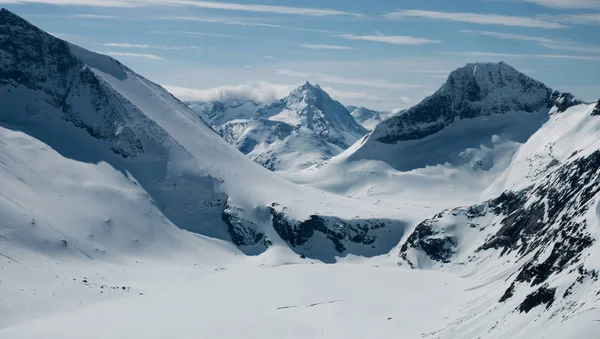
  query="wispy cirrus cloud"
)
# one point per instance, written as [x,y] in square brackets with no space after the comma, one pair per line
[575,4]
[224,21]
[390,39]
[476,18]
[195,34]
[134,55]
[256,8]
[146,46]
[555,44]
[311,30]
[575,19]
[141,46]
[326,47]
[94,16]
[529,56]
[375,83]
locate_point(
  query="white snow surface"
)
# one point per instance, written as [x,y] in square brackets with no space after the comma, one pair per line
[92,239]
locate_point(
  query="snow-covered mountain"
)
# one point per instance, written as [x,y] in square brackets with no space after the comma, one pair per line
[537,244]
[495,98]
[369,118]
[526,157]
[218,112]
[92,109]
[120,203]
[458,142]
[296,132]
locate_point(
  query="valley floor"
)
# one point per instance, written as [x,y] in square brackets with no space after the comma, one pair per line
[247,298]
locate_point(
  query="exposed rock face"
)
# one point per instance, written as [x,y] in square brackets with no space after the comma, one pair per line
[543,230]
[479,89]
[564,101]
[596,110]
[33,59]
[244,233]
[320,237]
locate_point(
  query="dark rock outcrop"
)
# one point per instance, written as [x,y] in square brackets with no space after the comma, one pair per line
[546,224]
[479,89]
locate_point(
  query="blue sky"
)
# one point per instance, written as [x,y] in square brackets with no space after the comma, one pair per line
[383,54]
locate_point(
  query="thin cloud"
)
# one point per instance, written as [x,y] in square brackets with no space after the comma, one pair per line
[326,47]
[541,41]
[260,91]
[125,45]
[194,34]
[390,39]
[134,55]
[375,83]
[95,16]
[574,4]
[224,21]
[534,56]
[142,46]
[311,30]
[263,91]
[575,19]
[476,18]
[349,95]
[192,3]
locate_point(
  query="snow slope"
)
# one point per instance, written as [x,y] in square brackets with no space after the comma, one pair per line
[289,301]
[303,129]
[90,108]
[537,244]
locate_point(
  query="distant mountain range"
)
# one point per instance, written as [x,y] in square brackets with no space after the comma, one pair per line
[296,132]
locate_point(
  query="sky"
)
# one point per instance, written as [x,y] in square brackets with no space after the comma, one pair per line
[381,54]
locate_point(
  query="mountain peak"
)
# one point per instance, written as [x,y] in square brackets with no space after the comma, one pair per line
[8,17]
[482,78]
[309,94]
[308,87]
[476,89]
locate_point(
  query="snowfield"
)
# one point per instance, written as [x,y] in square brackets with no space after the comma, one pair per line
[251,300]
[123,214]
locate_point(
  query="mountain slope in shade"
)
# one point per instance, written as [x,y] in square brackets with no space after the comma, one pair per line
[90,108]
[303,129]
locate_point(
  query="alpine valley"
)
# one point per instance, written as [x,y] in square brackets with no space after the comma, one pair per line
[125,213]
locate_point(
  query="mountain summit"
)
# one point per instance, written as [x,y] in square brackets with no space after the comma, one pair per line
[296,132]
[311,107]
[477,89]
